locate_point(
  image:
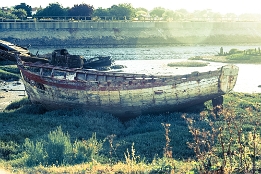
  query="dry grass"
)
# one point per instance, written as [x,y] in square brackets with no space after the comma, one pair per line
[94,167]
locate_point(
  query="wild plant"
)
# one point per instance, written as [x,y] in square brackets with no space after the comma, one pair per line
[59,147]
[165,164]
[112,151]
[58,150]
[86,150]
[35,153]
[167,152]
[222,144]
[131,158]
[8,149]
[203,141]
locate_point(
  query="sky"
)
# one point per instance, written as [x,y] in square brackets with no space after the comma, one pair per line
[221,6]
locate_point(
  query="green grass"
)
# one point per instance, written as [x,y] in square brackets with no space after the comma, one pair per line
[140,140]
[242,58]
[145,132]
[9,72]
[136,145]
[24,122]
[188,64]
[250,56]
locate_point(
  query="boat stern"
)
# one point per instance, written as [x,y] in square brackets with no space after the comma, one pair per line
[228,78]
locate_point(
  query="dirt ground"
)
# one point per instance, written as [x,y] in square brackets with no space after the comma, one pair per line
[10,92]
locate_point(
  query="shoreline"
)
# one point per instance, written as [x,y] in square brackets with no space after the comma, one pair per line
[10,92]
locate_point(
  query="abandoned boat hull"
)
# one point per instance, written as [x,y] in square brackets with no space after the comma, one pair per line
[8,50]
[122,94]
[59,57]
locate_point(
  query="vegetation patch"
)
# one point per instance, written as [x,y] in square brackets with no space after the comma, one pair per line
[9,72]
[198,141]
[249,56]
[188,64]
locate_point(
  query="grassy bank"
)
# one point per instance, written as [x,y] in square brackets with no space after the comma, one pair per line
[250,56]
[147,144]
[9,71]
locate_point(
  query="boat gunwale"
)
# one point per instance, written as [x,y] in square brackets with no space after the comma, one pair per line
[116,74]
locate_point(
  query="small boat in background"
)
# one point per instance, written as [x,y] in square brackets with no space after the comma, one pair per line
[59,57]
[98,61]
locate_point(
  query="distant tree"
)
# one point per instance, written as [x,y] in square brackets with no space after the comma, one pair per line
[249,17]
[53,9]
[27,8]
[172,15]
[230,17]
[141,13]
[7,15]
[157,12]
[20,13]
[122,11]
[101,13]
[184,13]
[141,9]
[202,14]
[217,16]
[81,10]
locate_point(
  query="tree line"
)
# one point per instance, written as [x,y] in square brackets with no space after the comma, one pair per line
[124,11]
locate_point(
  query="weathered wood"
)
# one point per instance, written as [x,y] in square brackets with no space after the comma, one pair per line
[123,94]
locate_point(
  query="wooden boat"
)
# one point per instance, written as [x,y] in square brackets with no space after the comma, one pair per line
[62,81]
[59,57]
[98,61]
[122,94]
[8,50]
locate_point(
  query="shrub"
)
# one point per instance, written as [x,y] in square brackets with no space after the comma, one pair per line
[164,165]
[35,153]
[86,150]
[58,147]
[233,51]
[58,150]
[225,145]
[8,149]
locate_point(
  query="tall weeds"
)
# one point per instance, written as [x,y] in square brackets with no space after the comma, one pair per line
[228,142]
[167,149]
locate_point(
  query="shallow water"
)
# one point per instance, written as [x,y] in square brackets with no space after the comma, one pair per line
[153,60]
[149,53]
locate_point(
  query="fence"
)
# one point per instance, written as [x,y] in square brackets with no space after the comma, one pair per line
[126,19]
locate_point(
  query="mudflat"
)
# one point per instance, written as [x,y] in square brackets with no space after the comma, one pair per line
[10,92]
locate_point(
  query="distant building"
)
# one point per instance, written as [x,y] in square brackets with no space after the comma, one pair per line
[34,10]
[4,8]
